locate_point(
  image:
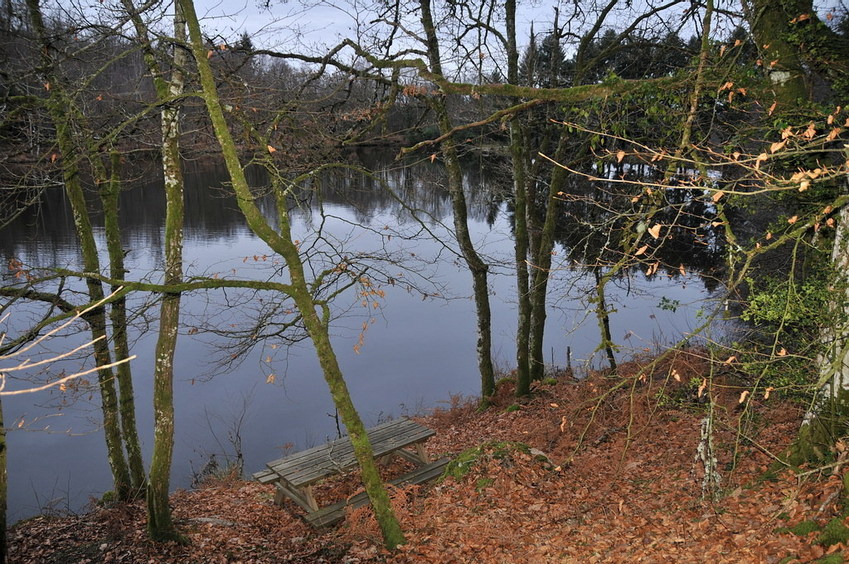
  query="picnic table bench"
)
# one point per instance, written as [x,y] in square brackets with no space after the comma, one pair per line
[295,475]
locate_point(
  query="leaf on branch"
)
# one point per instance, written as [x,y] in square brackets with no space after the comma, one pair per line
[620,155]
[271,378]
[736,155]
[782,352]
[729,360]
[767,392]
[209,54]
[652,269]
[270,149]
[787,132]
[702,387]
[772,108]
[717,195]
[830,222]
[53,157]
[682,270]
[654,231]
[726,86]
[833,134]
[433,157]
[777,146]
[722,51]
[768,235]
[793,219]
[804,185]
[810,132]
[47,86]
[830,119]
[761,158]
[743,395]
[676,375]
[641,250]
[800,18]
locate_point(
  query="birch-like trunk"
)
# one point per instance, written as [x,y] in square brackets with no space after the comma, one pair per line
[160,524]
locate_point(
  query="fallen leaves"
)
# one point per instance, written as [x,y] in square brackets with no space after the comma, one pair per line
[597,501]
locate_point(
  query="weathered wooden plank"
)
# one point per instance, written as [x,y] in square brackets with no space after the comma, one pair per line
[334,513]
[379,432]
[309,466]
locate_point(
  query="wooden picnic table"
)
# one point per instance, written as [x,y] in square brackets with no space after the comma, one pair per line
[295,475]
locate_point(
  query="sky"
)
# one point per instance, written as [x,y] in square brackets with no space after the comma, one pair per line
[278,23]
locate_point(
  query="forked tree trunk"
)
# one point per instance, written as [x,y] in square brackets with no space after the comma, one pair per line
[61,110]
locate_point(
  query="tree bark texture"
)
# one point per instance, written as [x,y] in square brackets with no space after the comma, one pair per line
[160,524]
[317,327]
[478,268]
[60,108]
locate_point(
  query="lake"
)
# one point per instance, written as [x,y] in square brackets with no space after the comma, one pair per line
[417,351]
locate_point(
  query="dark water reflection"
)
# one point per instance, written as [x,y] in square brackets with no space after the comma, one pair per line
[416,351]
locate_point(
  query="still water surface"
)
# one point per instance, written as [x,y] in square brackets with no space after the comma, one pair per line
[416,352]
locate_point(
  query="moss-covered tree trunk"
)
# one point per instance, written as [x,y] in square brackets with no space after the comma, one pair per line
[828,418]
[110,189]
[317,326]
[542,263]
[60,108]
[520,216]
[476,265]
[160,525]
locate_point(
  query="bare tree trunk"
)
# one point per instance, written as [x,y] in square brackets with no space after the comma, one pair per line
[59,108]
[160,525]
[317,327]
[110,187]
[476,265]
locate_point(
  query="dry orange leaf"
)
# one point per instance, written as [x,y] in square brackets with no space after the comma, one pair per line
[793,219]
[270,149]
[804,185]
[772,108]
[702,387]
[743,395]
[682,270]
[676,375]
[563,424]
[718,195]
[433,157]
[767,392]
[730,359]
[777,146]
[620,155]
[641,250]
[768,236]
[209,54]
[270,379]
[654,231]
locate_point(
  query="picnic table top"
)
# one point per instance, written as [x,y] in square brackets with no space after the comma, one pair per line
[308,466]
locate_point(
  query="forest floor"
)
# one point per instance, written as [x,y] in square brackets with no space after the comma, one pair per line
[613,477]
